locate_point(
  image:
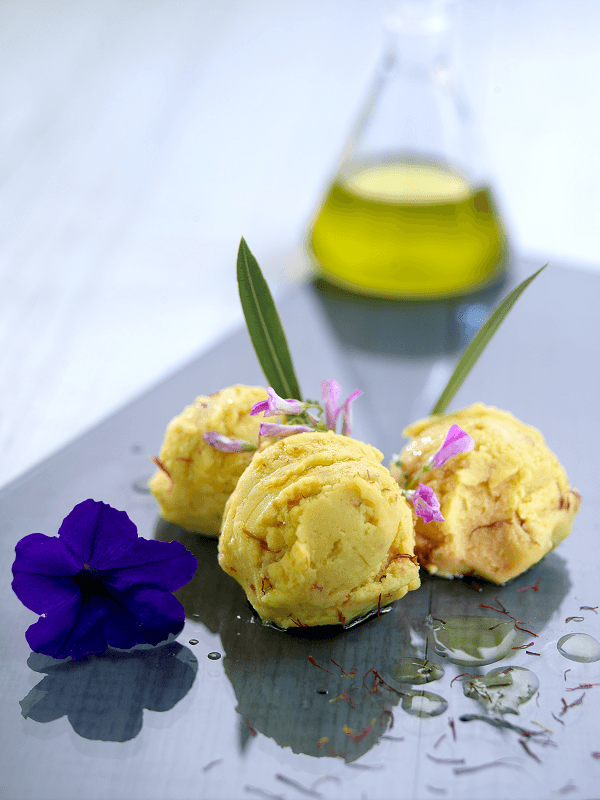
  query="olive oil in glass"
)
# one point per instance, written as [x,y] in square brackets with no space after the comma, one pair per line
[408,228]
[409,213]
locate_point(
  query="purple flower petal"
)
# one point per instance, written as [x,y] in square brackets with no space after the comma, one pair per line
[149,562]
[94,531]
[144,615]
[426,504]
[275,429]
[456,441]
[330,391]
[43,572]
[275,405]
[347,412]
[98,584]
[74,630]
[227,444]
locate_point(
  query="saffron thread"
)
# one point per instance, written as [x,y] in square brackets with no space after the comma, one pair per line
[211,764]
[296,785]
[567,706]
[314,663]
[445,760]
[452,728]
[523,744]
[535,587]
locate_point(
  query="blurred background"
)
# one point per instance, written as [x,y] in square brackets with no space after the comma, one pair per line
[139,139]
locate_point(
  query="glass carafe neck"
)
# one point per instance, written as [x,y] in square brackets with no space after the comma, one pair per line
[420,32]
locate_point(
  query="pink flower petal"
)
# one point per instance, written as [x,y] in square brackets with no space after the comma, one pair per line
[263,405]
[330,391]
[275,405]
[347,412]
[313,418]
[456,441]
[275,429]
[426,504]
[226,444]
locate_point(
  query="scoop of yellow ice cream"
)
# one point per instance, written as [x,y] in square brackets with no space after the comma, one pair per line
[506,503]
[196,480]
[318,533]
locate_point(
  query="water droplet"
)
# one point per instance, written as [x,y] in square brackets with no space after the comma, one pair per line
[474,641]
[423,704]
[196,616]
[322,691]
[214,656]
[193,641]
[503,689]
[579,647]
[416,670]
[141,484]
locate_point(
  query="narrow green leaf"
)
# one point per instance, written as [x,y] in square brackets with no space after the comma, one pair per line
[264,326]
[479,343]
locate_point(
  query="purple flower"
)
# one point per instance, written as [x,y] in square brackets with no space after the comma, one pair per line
[456,441]
[330,391]
[275,405]
[426,504]
[99,584]
[226,444]
[275,429]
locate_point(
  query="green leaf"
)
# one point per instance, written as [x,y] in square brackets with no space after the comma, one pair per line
[264,326]
[479,343]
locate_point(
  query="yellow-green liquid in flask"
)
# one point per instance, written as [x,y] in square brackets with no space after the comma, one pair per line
[408,229]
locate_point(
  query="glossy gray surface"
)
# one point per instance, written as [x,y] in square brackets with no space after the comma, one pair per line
[262,720]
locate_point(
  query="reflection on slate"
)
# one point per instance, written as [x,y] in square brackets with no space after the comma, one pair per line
[323,710]
[318,707]
[104,696]
[409,329]
[534,607]
[211,597]
[529,601]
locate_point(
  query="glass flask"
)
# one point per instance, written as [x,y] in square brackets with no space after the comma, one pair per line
[409,213]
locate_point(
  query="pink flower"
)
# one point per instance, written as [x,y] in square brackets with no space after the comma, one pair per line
[275,405]
[330,391]
[456,441]
[226,444]
[275,429]
[347,412]
[426,504]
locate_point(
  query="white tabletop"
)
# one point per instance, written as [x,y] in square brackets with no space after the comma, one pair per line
[140,140]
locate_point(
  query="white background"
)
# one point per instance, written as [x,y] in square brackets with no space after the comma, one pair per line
[140,139]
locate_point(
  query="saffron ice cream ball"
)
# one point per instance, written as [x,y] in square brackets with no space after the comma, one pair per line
[196,480]
[506,504]
[317,532]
